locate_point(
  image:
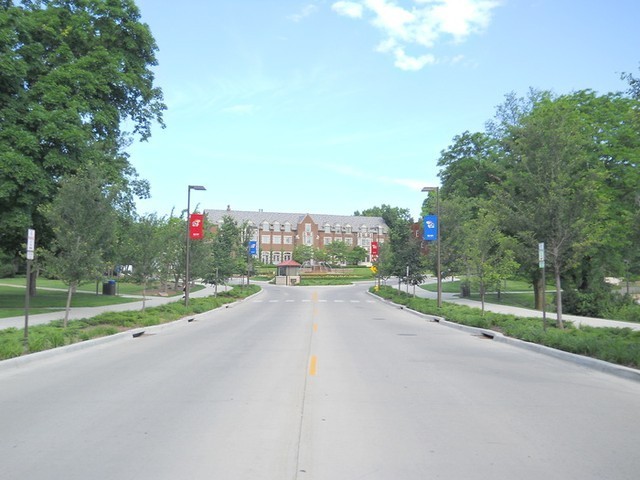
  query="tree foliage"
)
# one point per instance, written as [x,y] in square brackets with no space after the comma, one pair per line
[82,221]
[72,72]
[558,169]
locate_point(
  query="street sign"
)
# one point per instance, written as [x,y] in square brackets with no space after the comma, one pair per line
[541,254]
[31,243]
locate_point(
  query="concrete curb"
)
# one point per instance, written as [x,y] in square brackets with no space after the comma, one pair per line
[588,362]
[16,362]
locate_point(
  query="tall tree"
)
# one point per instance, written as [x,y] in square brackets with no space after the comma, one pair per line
[487,252]
[72,72]
[401,241]
[226,246]
[82,220]
[470,165]
[145,250]
[173,253]
[551,189]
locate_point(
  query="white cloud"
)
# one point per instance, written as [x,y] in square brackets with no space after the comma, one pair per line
[407,62]
[348,9]
[306,11]
[423,23]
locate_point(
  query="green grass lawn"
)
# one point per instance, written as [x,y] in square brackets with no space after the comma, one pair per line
[515,293]
[12,298]
[124,288]
[12,301]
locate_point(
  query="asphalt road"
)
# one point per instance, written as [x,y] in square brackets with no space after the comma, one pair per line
[314,383]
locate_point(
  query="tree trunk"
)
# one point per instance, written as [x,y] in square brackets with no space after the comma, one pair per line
[559,321]
[538,293]
[144,293]
[72,286]
[32,282]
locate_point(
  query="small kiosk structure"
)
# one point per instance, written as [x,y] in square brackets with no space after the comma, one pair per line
[288,273]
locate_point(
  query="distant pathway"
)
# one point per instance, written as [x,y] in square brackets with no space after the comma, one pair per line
[521,312]
[77,313]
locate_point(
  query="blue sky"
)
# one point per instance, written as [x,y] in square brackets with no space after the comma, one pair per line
[336,106]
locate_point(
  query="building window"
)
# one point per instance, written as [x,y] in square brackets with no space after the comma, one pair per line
[265,257]
[265,226]
[287,227]
[327,228]
[288,240]
[327,240]
[286,256]
[338,239]
[347,229]
[277,239]
[307,227]
[348,241]
[277,257]
[276,226]
[265,239]
[307,239]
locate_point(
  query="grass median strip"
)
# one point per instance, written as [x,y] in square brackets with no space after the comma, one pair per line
[615,345]
[52,335]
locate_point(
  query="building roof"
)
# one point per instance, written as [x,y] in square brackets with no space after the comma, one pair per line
[258,217]
[289,263]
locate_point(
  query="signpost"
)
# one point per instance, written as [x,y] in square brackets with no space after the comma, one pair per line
[31,248]
[544,285]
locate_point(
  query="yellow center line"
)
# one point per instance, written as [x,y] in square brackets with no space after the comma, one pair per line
[313,366]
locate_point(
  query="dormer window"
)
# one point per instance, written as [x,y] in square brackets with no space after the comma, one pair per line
[265,226]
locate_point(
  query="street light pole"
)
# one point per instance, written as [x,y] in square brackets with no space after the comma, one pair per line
[188,244]
[439,266]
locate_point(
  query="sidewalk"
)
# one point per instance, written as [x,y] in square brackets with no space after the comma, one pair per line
[88,312]
[521,312]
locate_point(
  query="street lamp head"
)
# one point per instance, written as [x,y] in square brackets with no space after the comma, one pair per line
[430,189]
[196,187]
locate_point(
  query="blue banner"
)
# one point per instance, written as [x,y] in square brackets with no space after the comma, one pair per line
[430,228]
[253,247]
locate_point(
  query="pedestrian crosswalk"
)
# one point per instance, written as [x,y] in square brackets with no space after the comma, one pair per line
[259,300]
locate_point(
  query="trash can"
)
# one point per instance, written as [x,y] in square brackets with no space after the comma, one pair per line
[109,288]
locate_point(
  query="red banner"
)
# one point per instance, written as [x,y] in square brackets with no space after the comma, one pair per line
[196,226]
[374,249]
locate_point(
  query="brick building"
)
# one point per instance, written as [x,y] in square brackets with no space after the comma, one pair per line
[277,234]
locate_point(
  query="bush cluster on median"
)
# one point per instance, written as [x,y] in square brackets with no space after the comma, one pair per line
[615,345]
[52,335]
